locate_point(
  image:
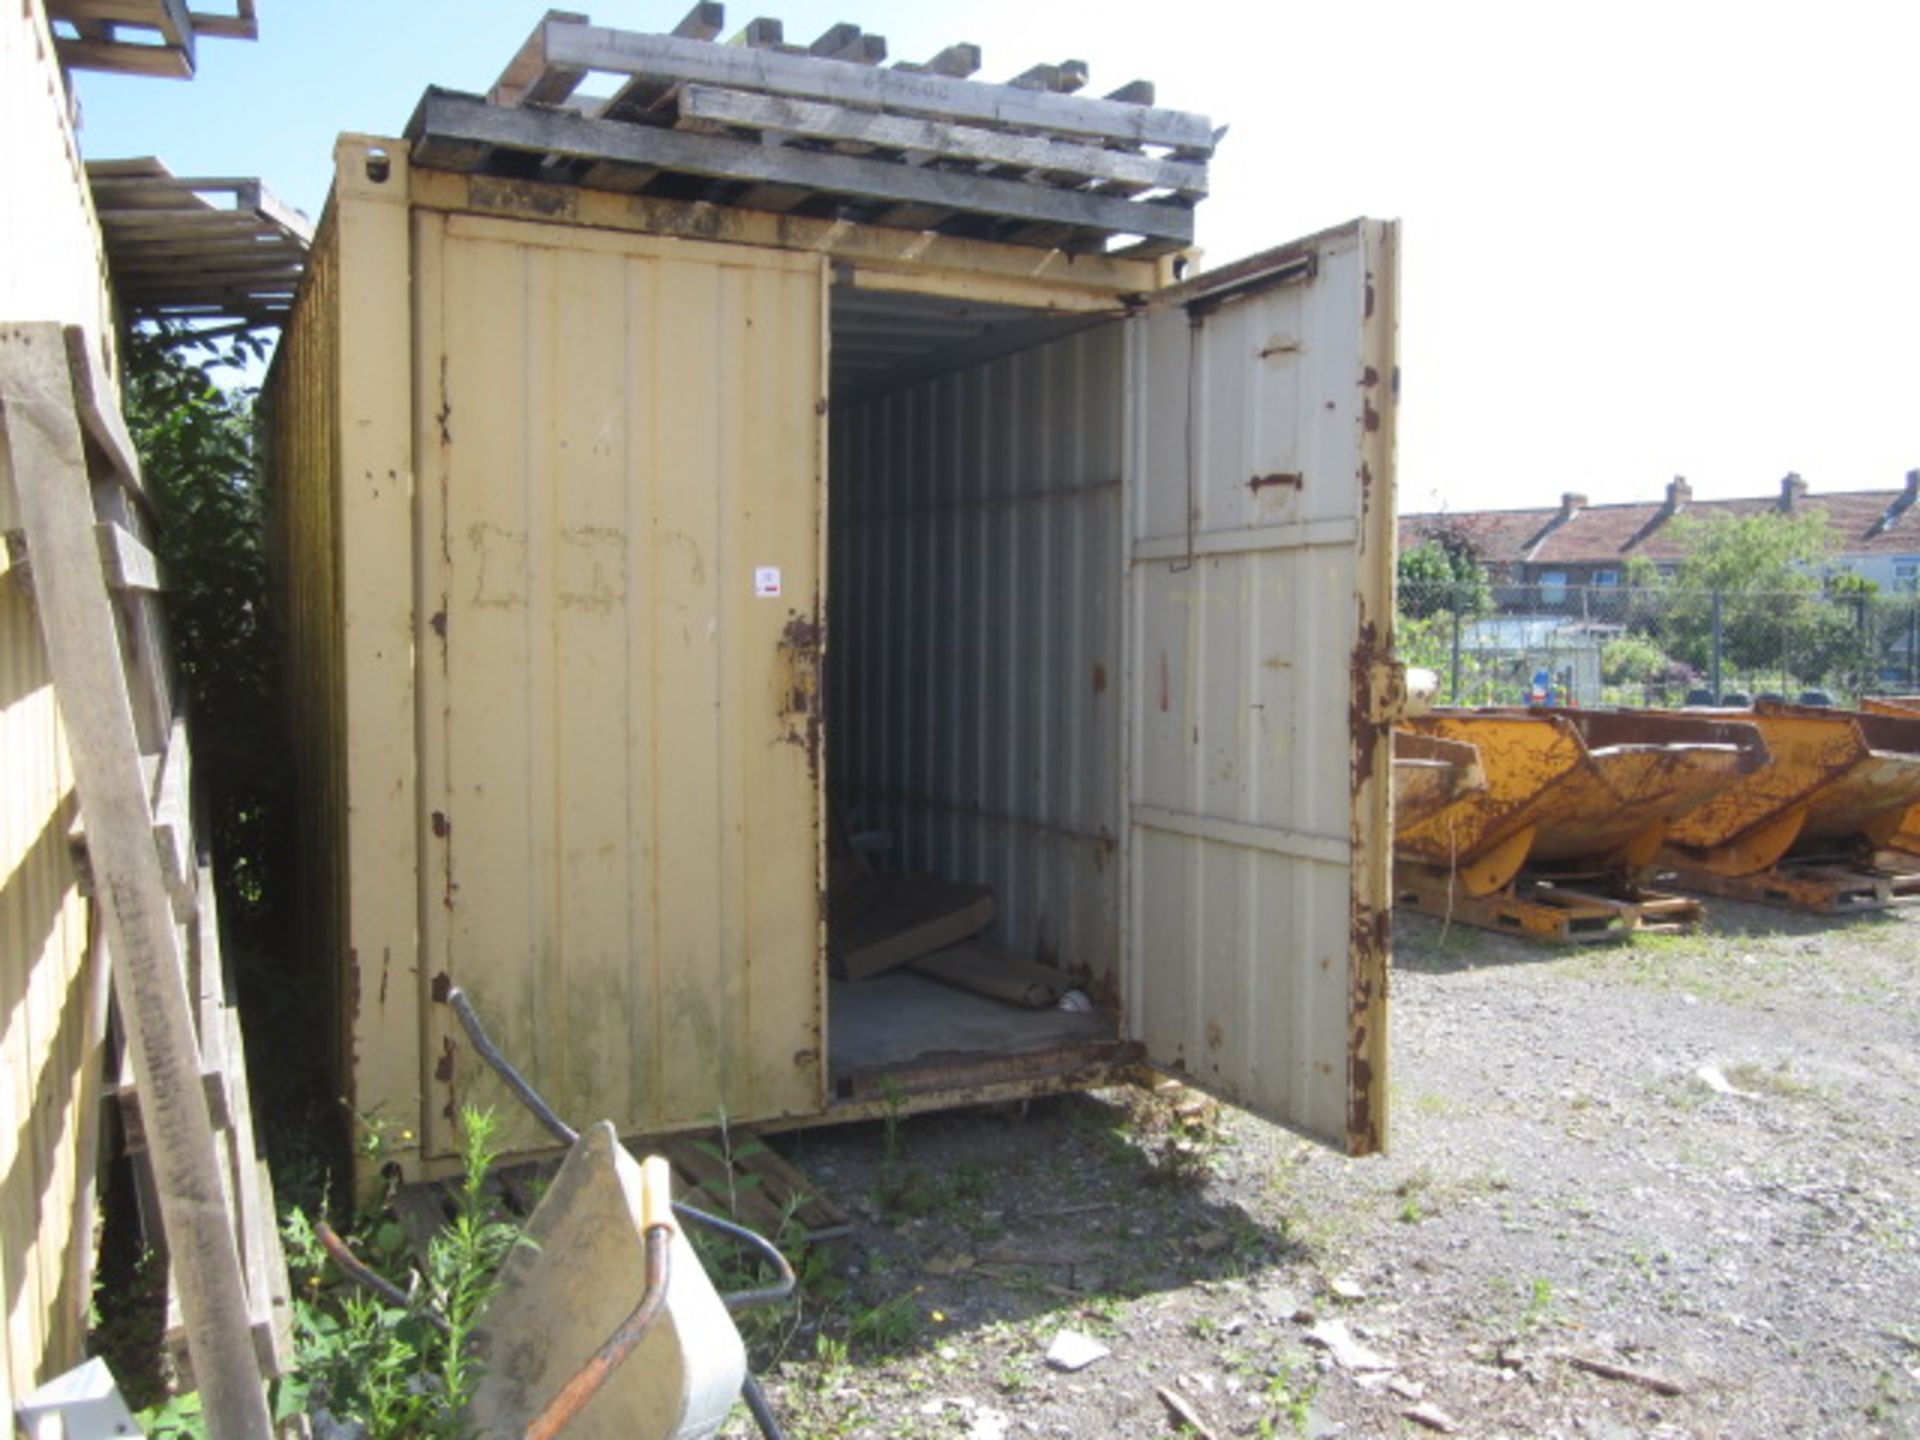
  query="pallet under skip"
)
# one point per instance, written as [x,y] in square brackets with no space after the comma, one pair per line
[1821,886]
[1539,908]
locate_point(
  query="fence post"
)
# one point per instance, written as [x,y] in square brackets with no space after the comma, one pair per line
[1454,695]
[1713,670]
[1913,647]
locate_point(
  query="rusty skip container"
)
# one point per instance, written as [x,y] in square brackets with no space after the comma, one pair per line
[1591,791]
[1430,772]
[1906,839]
[1838,781]
[616,536]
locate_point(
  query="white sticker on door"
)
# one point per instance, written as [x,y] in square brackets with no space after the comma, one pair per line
[766,581]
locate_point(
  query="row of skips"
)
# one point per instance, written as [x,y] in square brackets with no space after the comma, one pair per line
[1560,824]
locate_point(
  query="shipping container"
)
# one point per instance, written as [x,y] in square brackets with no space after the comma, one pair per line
[637,551]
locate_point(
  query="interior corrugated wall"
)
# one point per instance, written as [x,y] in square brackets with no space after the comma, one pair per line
[974,636]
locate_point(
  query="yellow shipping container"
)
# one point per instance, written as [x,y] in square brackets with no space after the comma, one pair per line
[625,539]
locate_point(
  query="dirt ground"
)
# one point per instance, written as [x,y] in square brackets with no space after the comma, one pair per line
[1666,1189]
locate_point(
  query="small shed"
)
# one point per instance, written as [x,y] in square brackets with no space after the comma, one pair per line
[780,447]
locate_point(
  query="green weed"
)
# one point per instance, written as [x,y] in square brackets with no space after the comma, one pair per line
[386,1367]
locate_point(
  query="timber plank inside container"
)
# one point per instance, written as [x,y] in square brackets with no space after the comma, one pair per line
[619,437]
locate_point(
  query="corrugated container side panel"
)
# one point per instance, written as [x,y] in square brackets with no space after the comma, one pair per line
[44,1004]
[53,271]
[617,733]
[975,564]
[303,400]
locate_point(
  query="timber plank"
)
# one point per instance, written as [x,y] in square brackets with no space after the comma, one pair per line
[45,453]
[528,77]
[466,121]
[129,565]
[916,92]
[787,116]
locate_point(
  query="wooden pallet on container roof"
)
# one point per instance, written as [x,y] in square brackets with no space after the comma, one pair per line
[826,130]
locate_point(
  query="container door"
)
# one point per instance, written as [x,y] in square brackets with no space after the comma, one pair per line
[1261,684]
[620,477]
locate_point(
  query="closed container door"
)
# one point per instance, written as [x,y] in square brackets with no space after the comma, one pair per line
[620,460]
[1260,603]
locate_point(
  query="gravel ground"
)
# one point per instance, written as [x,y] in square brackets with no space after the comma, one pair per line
[1667,1189]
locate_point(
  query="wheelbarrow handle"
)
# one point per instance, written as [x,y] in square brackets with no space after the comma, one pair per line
[784,1278]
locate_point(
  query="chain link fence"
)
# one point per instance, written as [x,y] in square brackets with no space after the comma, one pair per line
[1615,645]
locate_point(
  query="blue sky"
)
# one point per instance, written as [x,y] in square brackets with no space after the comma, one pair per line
[1641,239]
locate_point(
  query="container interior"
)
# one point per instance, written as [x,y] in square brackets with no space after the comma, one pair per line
[973,665]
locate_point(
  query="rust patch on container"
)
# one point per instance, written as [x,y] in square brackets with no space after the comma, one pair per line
[800,645]
[442,827]
[1371,418]
[1099,678]
[439,623]
[444,416]
[520,197]
[353,983]
[1368,656]
[1370,942]
[443,1071]
[1369,377]
[1280,479]
[442,987]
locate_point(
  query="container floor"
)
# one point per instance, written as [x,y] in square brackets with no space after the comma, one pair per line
[903,1019]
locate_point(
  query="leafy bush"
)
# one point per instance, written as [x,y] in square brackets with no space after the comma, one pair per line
[1633,660]
[199,453]
[389,1368]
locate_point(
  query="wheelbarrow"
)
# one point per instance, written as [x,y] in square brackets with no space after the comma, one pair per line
[561,1348]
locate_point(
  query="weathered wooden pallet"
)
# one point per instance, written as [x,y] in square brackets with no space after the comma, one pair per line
[83,542]
[1821,886]
[175,254]
[141,37]
[824,128]
[1557,911]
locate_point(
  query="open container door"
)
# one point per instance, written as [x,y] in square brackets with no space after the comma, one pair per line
[1261,682]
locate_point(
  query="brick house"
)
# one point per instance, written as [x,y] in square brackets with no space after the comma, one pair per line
[1536,557]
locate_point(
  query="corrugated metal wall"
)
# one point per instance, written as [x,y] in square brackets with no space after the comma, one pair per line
[1262,592]
[618,729]
[974,658]
[44,1003]
[53,271]
[301,400]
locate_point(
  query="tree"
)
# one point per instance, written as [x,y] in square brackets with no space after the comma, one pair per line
[1443,574]
[1764,572]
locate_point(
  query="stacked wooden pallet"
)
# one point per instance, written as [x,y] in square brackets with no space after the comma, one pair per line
[177,255]
[142,37]
[84,551]
[824,129]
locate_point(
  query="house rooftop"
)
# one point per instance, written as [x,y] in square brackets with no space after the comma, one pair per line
[1865,522]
